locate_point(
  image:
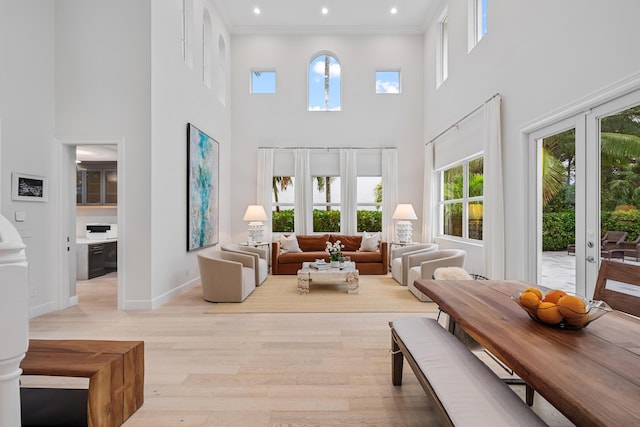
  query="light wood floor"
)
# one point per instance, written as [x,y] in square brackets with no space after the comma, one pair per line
[254,369]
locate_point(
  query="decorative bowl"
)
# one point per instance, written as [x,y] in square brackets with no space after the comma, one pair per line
[571,319]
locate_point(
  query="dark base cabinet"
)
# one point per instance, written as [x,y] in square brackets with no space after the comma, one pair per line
[111,256]
[96,260]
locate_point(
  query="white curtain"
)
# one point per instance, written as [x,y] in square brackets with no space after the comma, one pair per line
[264,187]
[493,215]
[349,192]
[303,216]
[428,205]
[389,192]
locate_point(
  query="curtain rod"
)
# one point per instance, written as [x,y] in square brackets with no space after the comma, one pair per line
[462,119]
[333,148]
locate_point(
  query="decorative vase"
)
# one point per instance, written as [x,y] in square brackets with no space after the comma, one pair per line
[335,260]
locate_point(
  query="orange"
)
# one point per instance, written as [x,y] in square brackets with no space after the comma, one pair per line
[554,295]
[572,306]
[578,321]
[530,301]
[549,313]
[535,291]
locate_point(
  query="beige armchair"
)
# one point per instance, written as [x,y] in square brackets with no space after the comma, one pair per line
[422,266]
[226,276]
[400,260]
[259,255]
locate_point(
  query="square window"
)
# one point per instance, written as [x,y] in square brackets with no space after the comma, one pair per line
[387,81]
[263,81]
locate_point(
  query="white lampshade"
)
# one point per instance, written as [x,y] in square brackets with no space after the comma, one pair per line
[403,215]
[255,214]
[405,212]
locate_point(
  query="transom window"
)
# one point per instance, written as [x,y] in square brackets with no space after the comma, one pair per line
[461,199]
[442,61]
[263,81]
[324,84]
[477,21]
[388,81]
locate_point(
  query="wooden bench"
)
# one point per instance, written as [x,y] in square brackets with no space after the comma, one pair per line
[115,370]
[464,389]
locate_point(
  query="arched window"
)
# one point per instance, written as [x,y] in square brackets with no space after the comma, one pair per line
[324,83]
[187,31]
[222,74]
[207,49]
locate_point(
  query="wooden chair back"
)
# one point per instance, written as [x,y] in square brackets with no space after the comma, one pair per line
[618,285]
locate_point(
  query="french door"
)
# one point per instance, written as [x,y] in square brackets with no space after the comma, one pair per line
[595,153]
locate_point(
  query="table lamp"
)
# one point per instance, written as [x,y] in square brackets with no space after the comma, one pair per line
[403,215]
[255,214]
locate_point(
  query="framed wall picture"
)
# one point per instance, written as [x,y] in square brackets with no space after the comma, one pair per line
[28,188]
[203,165]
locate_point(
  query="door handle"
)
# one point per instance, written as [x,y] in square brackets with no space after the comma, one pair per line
[591,259]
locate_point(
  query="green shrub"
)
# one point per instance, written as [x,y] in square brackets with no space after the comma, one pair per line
[558,229]
[327,221]
[369,221]
[282,222]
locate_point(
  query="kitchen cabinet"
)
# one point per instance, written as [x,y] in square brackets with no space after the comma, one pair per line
[96,258]
[97,184]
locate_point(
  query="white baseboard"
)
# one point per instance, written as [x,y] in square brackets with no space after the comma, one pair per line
[162,299]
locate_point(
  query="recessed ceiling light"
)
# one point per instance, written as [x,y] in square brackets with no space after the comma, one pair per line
[325,11]
[394,10]
[256,10]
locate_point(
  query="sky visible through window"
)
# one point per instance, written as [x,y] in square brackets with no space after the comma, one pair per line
[387,81]
[263,82]
[317,79]
[482,28]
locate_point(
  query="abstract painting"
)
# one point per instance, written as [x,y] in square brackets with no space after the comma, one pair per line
[202,189]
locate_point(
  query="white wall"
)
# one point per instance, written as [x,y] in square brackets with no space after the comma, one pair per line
[180,97]
[103,89]
[366,119]
[27,126]
[540,56]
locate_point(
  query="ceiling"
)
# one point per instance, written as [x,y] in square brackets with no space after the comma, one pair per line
[344,16]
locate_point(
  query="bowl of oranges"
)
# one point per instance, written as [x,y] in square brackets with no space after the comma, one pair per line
[560,309]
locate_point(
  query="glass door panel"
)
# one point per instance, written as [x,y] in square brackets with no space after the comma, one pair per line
[619,183]
[110,187]
[94,187]
[558,206]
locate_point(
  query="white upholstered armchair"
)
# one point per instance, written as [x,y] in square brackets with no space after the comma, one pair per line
[422,266]
[226,276]
[260,256]
[400,260]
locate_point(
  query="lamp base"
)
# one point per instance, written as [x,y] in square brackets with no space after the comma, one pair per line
[256,232]
[404,230]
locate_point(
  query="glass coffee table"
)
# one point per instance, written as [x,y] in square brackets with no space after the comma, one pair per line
[347,274]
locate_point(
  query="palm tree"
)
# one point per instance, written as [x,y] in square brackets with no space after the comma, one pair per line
[282,182]
[324,184]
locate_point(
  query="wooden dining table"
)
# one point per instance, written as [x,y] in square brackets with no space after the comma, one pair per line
[591,375]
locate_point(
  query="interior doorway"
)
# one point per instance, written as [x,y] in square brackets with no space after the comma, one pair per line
[96,225]
[100,200]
